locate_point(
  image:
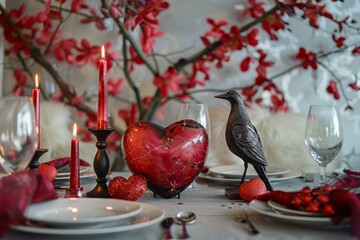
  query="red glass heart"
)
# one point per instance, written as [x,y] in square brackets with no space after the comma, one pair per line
[170,158]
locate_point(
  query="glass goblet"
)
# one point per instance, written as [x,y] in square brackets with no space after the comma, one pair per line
[198,112]
[18,138]
[323,136]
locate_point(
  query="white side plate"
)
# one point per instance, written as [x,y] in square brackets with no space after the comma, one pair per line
[324,222]
[80,212]
[149,216]
[235,181]
[285,210]
[236,171]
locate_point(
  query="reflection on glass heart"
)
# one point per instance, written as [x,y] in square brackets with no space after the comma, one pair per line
[170,158]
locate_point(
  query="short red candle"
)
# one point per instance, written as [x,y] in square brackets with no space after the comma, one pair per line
[36,102]
[102,118]
[74,162]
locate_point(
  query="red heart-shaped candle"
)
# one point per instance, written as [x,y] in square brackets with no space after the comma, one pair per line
[170,158]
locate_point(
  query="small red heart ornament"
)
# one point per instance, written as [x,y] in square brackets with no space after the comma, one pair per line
[131,189]
[251,188]
[170,158]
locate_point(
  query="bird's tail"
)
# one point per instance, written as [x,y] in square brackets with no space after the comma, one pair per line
[262,174]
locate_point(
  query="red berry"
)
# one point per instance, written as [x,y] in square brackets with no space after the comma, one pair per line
[48,171]
[313,207]
[296,202]
[328,209]
[307,199]
[323,198]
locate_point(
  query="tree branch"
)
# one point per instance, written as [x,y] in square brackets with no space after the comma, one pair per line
[36,54]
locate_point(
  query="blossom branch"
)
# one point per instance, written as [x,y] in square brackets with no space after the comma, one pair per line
[36,54]
[129,78]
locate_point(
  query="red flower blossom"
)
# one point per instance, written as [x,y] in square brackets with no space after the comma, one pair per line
[91,121]
[169,80]
[255,9]
[273,24]
[356,51]
[57,97]
[87,54]
[128,116]
[340,42]
[354,86]
[216,28]
[199,68]
[147,13]
[77,100]
[64,51]
[114,86]
[332,89]
[245,64]
[76,5]
[261,69]
[251,37]
[249,93]
[307,59]
[147,38]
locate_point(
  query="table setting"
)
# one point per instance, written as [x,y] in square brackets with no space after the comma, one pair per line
[157,198]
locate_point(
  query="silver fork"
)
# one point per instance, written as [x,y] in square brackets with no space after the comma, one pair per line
[244,218]
[308,177]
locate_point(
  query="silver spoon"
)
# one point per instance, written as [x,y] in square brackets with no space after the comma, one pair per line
[166,224]
[183,218]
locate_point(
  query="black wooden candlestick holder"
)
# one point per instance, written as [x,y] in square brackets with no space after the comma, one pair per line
[101,163]
[34,164]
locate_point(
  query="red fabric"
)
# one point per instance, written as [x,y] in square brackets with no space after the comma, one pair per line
[338,201]
[60,162]
[18,191]
[347,204]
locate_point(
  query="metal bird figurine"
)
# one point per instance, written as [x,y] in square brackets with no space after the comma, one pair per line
[242,138]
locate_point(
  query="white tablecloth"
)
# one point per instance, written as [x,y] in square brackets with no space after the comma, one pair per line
[216,218]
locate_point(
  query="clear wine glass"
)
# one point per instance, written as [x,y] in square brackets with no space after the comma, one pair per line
[18,138]
[198,112]
[323,136]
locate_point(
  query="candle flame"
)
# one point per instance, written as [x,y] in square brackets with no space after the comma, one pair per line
[102,51]
[36,80]
[74,130]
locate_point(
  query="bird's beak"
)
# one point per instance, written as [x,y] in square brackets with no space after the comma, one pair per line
[223,96]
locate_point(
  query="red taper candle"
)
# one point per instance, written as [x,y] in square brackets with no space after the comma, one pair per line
[74,161]
[36,102]
[102,118]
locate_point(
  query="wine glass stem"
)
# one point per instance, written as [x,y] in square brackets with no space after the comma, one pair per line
[322,175]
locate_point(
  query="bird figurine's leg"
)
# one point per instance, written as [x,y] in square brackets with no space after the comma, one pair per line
[244,174]
[262,174]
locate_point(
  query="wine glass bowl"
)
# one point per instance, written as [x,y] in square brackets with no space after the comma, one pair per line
[198,112]
[18,138]
[323,135]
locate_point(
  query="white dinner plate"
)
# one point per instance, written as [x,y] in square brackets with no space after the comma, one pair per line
[236,171]
[82,170]
[287,210]
[80,212]
[230,181]
[149,216]
[264,209]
